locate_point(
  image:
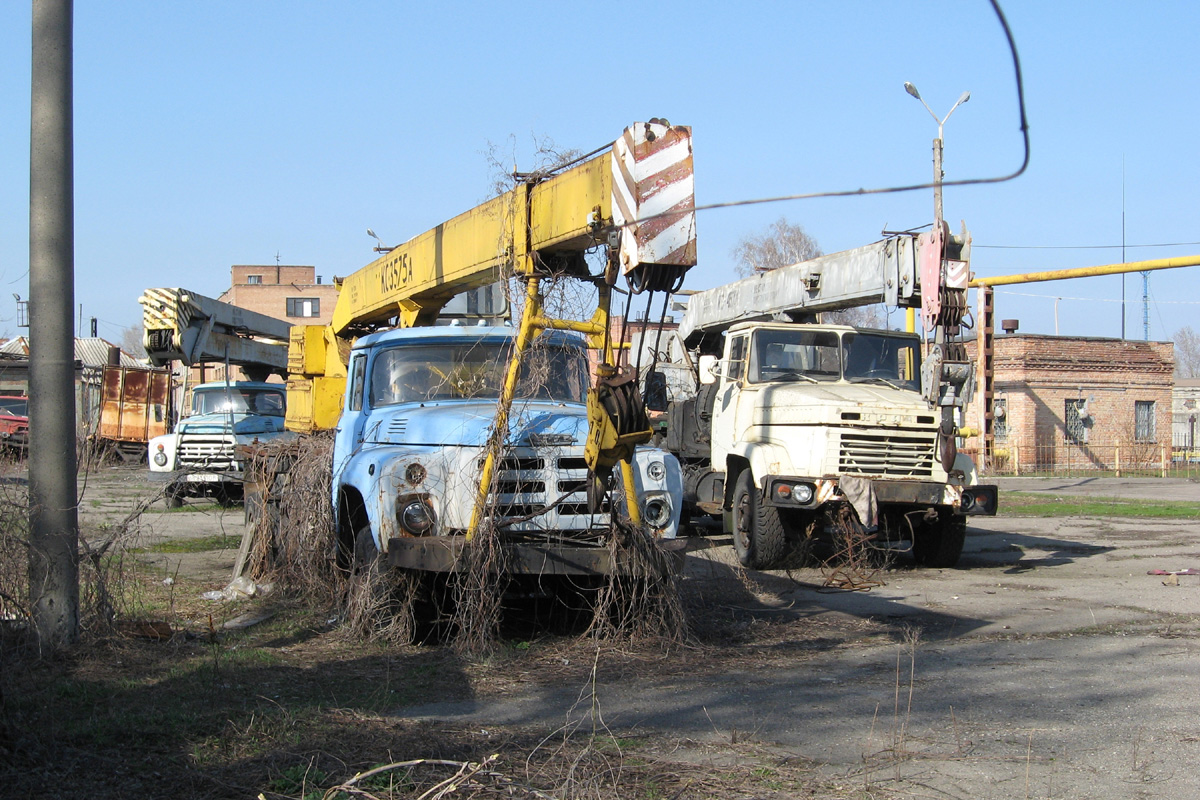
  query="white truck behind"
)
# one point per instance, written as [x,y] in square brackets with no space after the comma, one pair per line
[793,418]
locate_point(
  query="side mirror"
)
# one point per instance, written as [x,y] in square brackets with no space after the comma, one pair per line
[710,369]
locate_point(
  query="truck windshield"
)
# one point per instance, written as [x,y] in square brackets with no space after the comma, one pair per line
[14,406]
[240,400]
[446,371]
[816,356]
[795,355]
[882,358]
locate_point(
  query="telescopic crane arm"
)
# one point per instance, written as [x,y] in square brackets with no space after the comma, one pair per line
[180,325]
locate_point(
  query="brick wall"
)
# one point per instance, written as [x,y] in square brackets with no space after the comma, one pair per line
[1036,376]
[279,284]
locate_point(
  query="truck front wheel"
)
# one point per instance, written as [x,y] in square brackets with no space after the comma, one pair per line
[173,496]
[366,553]
[939,542]
[758,537]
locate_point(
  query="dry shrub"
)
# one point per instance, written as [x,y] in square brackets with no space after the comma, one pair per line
[479,587]
[387,605]
[14,552]
[294,541]
[857,562]
[642,602]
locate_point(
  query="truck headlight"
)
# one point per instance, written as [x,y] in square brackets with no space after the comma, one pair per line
[656,471]
[657,512]
[160,458]
[417,517]
[798,493]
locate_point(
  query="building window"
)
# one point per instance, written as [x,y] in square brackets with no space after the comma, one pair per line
[1144,429]
[304,307]
[1076,432]
[254,280]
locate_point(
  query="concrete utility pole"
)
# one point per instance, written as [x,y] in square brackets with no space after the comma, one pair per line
[53,514]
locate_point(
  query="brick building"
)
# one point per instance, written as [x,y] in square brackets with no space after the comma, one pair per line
[1078,403]
[291,293]
[294,294]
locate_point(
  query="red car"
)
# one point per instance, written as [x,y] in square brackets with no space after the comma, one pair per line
[14,421]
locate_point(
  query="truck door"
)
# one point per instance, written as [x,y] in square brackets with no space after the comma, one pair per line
[348,436]
[733,373]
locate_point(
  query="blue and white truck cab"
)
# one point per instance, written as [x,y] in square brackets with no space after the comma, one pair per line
[419,408]
[200,458]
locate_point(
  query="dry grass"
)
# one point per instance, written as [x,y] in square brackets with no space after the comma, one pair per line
[294,543]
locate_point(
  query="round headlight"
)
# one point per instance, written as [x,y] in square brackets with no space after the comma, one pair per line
[802,493]
[417,518]
[656,470]
[657,512]
[160,458]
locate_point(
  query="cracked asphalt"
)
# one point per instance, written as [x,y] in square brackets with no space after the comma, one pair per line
[1049,665]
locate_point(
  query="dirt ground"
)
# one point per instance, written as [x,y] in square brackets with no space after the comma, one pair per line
[1049,664]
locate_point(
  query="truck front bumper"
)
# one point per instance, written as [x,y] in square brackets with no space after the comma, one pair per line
[445,554]
[784,491]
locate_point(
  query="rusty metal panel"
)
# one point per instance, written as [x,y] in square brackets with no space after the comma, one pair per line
[133,404]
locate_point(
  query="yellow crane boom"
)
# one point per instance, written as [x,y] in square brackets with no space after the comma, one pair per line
[637,198]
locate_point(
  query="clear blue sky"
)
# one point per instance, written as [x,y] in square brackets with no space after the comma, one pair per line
[216,133]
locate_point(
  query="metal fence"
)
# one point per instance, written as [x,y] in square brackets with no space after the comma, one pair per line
[1113,460]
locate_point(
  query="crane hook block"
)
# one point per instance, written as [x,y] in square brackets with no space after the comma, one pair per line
[654,204]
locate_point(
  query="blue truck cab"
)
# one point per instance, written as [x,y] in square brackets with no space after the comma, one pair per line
[420,406]
[200,457]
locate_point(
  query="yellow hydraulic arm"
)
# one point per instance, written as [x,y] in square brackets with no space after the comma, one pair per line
[636,197]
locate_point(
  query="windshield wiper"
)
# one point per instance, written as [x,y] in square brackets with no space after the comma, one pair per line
[791,376]
[884,381]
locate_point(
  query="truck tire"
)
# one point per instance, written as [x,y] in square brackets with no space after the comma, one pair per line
[173,496]
[422,608]
[758,537]
[366,553]
[939,542]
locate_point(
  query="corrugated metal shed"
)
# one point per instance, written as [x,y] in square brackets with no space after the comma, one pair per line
[90,352]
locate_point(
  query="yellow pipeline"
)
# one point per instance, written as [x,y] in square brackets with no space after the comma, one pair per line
[1088,272]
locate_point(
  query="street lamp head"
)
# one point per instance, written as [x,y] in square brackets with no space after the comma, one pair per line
[965,97]
[908,87]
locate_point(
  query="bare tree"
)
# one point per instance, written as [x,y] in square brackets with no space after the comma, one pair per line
[781,244]
[1187,353]
[131,340]
[861,317]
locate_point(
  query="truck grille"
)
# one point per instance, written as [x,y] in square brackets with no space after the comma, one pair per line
[212,452]
[525,485]
[886,454]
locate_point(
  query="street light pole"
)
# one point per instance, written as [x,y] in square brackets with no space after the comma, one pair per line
[937,146]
